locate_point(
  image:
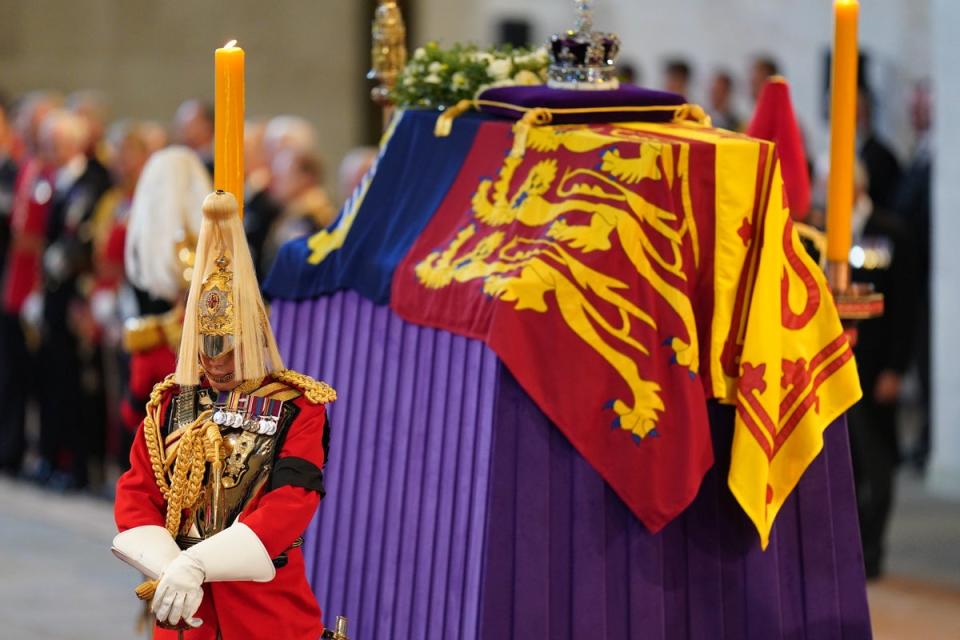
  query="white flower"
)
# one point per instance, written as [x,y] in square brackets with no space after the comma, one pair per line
[499,69]
[458,80]
[432,79]
[409,81]
[435,67]
[541,55]
[420,53]
[525,77]
[481,56]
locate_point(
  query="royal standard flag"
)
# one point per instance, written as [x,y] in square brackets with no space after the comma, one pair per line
[625,274]
[796,369]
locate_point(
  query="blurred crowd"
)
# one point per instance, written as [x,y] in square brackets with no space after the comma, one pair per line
[68,179]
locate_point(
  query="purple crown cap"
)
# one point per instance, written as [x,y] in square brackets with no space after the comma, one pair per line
[583,58]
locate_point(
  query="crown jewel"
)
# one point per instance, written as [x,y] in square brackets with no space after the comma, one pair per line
[583,58]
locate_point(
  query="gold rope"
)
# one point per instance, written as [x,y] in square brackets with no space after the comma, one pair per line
[574,110]
[444,124]
[152,435]
[314,391]
[537,116]
[199,444]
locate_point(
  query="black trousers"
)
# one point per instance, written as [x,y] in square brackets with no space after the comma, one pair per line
[17,369]
[72,405]
[876,455]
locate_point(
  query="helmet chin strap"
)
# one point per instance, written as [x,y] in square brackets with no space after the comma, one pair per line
[220,379]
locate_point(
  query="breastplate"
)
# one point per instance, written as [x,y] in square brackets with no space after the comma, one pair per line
[247,463]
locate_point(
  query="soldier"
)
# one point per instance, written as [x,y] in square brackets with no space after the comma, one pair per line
[885,256]
[226,469]
[160,240]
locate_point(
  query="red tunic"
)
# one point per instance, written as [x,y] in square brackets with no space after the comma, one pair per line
[147,368]
[28,222]
[285,607]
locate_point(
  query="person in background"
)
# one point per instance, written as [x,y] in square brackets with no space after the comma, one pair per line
[260,210]
[31,111]
[306,207]
[32,195]
[72,404]
[352,169]
[761,69]
[913,204]
[883,255]
[676,77]
[283,135]
[881,163]
[629,72]
[162,231]
[8,177]
[128,151]
[102,319]
[193,128]
[288,132]
[722,110]
[155,134]
[92,107]
[12,440]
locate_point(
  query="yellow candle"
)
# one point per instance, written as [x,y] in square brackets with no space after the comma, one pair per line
[843,126]
[228,123]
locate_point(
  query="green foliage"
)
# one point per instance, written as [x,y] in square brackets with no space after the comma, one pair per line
[436,78]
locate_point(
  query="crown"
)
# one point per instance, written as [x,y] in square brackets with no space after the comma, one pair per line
[583,58]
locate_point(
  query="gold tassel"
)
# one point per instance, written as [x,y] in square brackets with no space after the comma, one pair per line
[692,113]
[147,589]
[444,124]
[534,117]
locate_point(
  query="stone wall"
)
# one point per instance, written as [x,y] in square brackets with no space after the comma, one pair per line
[303,56]
[945,466]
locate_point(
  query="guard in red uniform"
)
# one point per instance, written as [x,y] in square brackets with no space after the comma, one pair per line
[160,240]
[226,469]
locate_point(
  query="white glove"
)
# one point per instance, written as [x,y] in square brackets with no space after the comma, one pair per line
[180,592]
[149,549]
[235,553]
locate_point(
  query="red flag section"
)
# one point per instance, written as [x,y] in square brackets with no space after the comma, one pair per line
[774,120]
[585,264]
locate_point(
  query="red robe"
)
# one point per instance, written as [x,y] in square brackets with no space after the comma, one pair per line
[285,607]
[147,368]
[28,222]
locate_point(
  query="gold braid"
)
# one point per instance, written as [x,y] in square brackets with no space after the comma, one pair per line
[152,435]
[195,448]
[200,443]
[314,391]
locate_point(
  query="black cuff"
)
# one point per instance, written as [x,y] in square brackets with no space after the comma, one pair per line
[297,472]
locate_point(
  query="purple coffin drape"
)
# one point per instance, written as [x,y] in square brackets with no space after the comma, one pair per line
[456,511]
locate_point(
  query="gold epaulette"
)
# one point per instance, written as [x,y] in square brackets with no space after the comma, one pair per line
[148,332]
[314,391]
[162,388]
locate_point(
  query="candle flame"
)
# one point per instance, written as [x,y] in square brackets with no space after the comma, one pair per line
[230,45]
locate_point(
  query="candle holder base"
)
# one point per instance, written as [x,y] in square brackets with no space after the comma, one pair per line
[859,302]
[854,300]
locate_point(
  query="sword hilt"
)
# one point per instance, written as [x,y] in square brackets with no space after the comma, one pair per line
[339,632]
